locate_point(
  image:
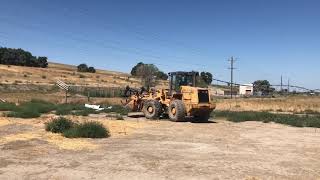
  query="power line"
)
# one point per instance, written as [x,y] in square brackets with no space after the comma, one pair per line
[273,85]
[112,46]
[140,35]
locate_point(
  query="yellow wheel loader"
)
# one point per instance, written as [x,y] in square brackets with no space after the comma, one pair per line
[183,98]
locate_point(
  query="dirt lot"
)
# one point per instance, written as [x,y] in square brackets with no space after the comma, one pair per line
[140,149]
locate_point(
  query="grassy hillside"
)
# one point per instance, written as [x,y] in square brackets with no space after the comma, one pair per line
[18,83]
[67,73]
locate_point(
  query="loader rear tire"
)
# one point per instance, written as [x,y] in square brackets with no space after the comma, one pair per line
[152,109]
[177,111]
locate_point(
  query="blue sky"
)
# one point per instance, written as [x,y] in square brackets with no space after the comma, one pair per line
[269,38]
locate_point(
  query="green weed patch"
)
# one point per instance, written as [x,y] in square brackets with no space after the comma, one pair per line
[87,130]
[288,119]
[7,106]
[35,108]
[59,125]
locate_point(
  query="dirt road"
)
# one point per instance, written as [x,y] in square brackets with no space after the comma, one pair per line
[166,150]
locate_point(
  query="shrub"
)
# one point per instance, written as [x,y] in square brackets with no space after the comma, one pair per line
[87,130]
[310,111]
[24,113]
[65,109]
[59,125]
[81,76]
[7,106]
[118,109]
[85,112]
[35,108]
[44,77]
[32,109]
[38,105]
[74,109]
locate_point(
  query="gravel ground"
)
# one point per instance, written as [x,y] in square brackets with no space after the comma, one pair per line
[168,150]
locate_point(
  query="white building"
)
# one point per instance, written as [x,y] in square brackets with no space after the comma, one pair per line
[246,90]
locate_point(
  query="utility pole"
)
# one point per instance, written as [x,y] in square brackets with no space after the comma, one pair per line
[288,86]
[281,85]
[232,60]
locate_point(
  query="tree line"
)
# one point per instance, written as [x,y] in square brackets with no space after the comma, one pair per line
[85,68]
[150,72]
[20,57]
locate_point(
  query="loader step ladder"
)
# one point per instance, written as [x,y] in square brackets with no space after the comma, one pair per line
[62,85]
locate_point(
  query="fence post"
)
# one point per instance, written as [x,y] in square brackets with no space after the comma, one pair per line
[66,96]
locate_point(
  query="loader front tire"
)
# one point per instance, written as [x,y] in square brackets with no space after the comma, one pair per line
[177,111]
[152,109]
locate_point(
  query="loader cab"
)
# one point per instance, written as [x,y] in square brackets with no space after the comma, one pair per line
[178,79]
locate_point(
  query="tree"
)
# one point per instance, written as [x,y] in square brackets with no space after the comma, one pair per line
[134,69]
[91,70]
[262,86]
[82,68]
[161,75]
[20,57]
[148,73]
[43,62]
[206,77]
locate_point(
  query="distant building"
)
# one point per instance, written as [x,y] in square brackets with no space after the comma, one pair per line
[216,92]
[228,92]
[246,90]
[223,91]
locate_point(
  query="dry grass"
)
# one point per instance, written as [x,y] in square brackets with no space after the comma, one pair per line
[117,129]
[69,144]
[68,73]
[19,137]
[288,104]
[54,139]
[4,122]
